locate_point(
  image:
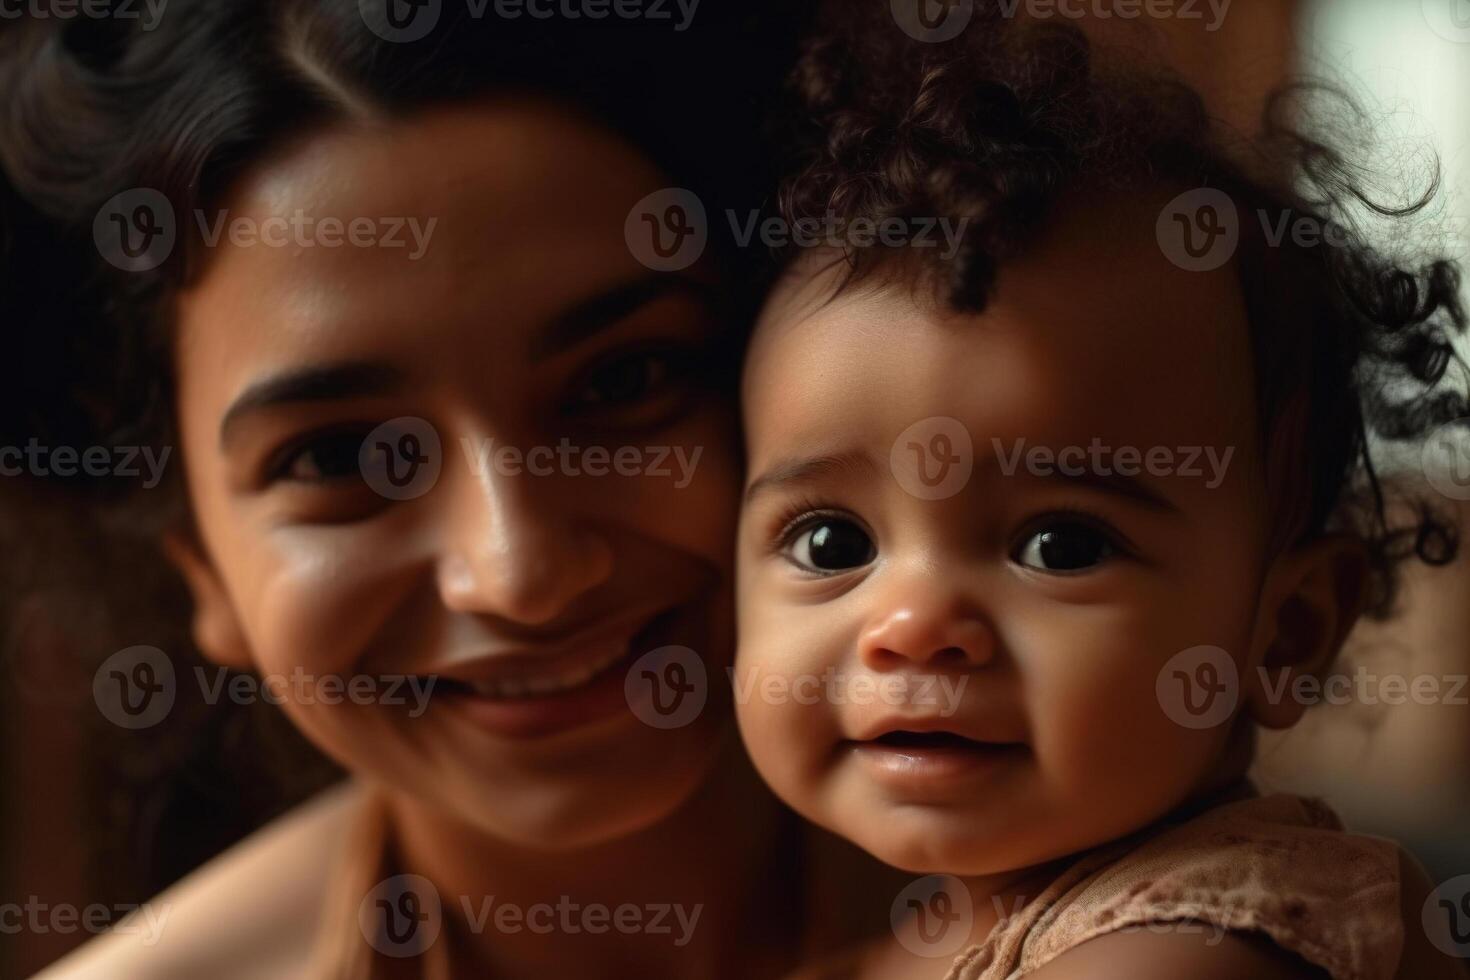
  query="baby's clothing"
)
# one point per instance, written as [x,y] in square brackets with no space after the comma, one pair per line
[1279,865]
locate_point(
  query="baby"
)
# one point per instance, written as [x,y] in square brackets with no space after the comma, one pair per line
[1036,535]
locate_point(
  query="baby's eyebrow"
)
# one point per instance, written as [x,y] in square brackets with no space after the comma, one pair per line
[786,472]
[1118,485]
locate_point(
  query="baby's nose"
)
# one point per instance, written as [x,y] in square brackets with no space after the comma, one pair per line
[927,633]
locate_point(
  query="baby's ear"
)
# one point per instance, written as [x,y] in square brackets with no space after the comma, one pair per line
[1313,594]
[216,626]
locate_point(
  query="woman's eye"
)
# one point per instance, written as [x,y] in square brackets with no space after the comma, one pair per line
[831,545]
[624,380]
[1065,547]
[327,457]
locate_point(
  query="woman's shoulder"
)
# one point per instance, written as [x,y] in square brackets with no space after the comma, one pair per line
[251,912]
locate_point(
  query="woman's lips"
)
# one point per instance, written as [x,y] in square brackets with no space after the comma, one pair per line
[933,760]
[529,715]
[557,697]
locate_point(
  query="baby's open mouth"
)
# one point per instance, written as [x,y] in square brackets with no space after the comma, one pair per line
[929,764]
[931,740]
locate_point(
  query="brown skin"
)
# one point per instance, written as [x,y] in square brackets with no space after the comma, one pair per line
[1092,334]
[303,569]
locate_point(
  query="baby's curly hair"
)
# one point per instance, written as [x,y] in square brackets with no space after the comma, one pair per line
[999,124]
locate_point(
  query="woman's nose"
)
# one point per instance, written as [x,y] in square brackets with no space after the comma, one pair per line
[928,630]
[512,548]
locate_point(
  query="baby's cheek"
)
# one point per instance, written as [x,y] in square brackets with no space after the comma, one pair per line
[1107,746]
[784,712]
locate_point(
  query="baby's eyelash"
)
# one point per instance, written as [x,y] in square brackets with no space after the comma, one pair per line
[1078,515]
[794,517]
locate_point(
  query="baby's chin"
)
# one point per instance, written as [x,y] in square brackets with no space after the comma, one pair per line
[944,844]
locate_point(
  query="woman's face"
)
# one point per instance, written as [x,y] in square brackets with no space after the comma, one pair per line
[561,502]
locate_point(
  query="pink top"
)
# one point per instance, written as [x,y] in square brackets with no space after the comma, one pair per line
[1279,865]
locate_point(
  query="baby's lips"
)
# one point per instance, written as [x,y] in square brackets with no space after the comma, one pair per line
[975,726]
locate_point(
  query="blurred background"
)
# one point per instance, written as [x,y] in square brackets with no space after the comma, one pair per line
[91,814]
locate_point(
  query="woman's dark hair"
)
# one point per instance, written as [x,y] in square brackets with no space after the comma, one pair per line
[96,106]
[1001,123]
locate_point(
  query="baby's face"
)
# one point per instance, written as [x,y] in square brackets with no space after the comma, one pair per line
[949,647]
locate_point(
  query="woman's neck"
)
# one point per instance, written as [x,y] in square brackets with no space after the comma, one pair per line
[672,899]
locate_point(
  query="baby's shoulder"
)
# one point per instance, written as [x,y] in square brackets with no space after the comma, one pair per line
[251,912]
[1154,955]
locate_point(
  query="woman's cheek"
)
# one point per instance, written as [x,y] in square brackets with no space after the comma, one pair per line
[322,597]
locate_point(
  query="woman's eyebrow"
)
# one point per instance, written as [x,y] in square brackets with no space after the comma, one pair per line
[325,382]
[588,316]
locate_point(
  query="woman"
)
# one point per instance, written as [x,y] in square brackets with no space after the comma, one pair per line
[341,406]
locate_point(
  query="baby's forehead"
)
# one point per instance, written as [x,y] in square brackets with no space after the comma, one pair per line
[1093,333]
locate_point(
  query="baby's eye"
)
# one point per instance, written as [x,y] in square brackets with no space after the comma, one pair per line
[1065,546]
[831,544]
